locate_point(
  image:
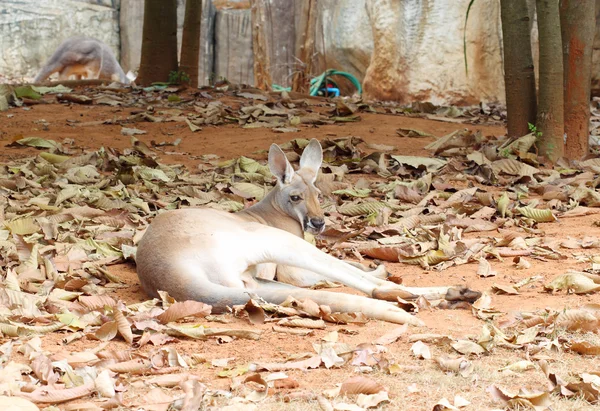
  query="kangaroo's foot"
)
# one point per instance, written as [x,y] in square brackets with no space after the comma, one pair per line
[454,294]
[392,294]
[462,294]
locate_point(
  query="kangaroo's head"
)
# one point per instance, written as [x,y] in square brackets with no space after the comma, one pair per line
[296,194]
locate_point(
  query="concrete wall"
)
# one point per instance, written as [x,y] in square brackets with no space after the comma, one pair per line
[419,42]
[30,30]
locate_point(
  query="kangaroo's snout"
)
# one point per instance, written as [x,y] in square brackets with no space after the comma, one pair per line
[315,225]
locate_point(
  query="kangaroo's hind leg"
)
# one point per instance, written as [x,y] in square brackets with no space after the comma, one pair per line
[287,249]
[301,277]
[274,292]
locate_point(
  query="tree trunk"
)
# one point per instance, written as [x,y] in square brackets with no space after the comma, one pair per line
[578,27]
[300,81]
[262,61]
[550,117]
[519,78]
[190,42]
[159,41]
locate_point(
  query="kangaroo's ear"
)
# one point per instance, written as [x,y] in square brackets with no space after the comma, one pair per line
[312,157]
[279,165]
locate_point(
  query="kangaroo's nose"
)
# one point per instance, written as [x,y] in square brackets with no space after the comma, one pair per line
[317,222]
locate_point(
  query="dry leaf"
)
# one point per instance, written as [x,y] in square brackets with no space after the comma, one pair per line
[342,406]
[483,303]
[438,339]
[420,350]
[17,404]
[257,395]
[528,336]
[312,362]
[331,358]
[360,385]
[293,331]
[169,380]
[200,332]
[513,167]
[107,331]
[585,348]
[519,366]
[221,362]
[504,289]
[443,405]
[156,400]
[256,314]
[97,302]
[468,347]
[392,336]
[302,323]
[132,367]
[536,400]
[123,326]
[573,282]
[460,365]
[105,385]
[46,395]
[540,216]
[372,400]
[194,395]
[485,269]
[184,309]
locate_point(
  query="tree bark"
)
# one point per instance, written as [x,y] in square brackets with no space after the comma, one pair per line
[578,27]
[550,116]
[300,81]
[262,60]
[190,41]
[519,76]
[159,41]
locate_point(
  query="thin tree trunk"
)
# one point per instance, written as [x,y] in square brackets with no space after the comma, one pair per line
[159,41]
[300,81]
[519,77]
[578,27]
[262,61]
[190,42]
[550,117]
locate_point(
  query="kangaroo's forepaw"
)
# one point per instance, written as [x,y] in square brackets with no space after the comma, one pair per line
[462,294]
[380,272]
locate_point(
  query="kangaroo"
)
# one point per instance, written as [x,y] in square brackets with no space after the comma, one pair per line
[222,258]
[83,57]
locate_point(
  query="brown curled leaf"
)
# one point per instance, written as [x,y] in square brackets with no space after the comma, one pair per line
[45,395]
[123,326]
[183,309]
[360,385]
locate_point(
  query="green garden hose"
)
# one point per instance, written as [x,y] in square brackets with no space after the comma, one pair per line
[320,81]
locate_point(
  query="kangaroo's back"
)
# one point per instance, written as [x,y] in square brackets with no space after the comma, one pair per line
[83,57]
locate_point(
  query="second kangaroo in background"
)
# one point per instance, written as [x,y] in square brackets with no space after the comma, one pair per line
[83,57]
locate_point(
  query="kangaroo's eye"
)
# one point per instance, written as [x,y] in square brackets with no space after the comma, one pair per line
[295,199]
